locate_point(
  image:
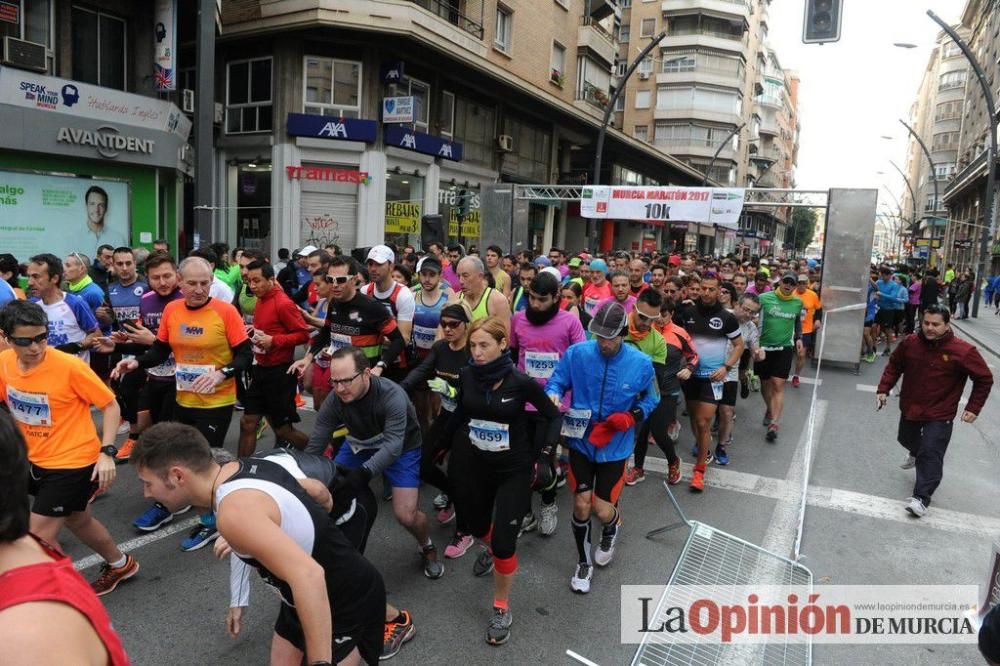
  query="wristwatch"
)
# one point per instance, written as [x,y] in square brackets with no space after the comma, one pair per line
[382,364]
[227,371]
[727,367]
[109,450]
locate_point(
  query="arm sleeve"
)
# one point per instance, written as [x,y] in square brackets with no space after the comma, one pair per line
[535,394]
[649,394]
[321,340]
[394,343]
[394,407]
[157,354]
[421,373]
[242,356]
[797,335]
[236,331]
[239,582]
[328,419]
[982,380]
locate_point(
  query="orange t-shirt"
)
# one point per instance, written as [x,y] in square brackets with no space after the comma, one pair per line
[810,303]
[51,404]
[202,340]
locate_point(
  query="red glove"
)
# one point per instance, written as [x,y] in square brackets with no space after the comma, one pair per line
[620,421]
[601,434]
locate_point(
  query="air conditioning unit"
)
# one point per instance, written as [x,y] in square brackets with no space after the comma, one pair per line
[187,100]
[505,142]
[643,76]
[25,55]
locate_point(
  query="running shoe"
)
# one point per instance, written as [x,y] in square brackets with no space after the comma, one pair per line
[238,406]
[441,501]
[261,428]
[744,389]
[605,550]
[767,419]
[299,402]
[916,507]
[483,566]
[200,536]
[432,568]
[111,576]
[528,524]
[870,357]
[674,430]
[909,463]
[156,516]
[674,472]
[125,451]
[796,381]
[460,544]
[772,432]
[397,633]
[498,630]
[698,481]
[754,380]
[549,519]
[694,454]
[634,475]
[446,515]
[721,457]
[580,582]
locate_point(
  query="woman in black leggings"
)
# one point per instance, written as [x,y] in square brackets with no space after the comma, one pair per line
[493,483]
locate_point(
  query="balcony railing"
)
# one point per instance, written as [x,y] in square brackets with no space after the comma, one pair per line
[449,11]
[948,85]
[683,32]
[593,95]
[598,28]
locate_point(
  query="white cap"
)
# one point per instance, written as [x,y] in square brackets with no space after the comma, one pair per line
[553,271]
[380,254]
[764,262]
[307,250]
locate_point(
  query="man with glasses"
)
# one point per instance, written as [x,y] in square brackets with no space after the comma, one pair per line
[780,341]
[558,259]
[50,395]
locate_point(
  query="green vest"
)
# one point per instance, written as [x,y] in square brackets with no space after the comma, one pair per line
[247,302]
[481,309]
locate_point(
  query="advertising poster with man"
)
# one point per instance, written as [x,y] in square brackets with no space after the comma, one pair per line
[61,214]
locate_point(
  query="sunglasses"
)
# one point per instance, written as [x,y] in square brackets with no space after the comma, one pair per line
[26,342]
[337,279]
[343,382]
[451,324]
[791,282]
[646,317]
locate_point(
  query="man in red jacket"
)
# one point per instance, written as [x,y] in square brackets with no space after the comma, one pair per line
[935,365]
[277,328]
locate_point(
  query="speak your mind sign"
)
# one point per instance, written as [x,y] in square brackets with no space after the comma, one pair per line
[40,213]
[702,205]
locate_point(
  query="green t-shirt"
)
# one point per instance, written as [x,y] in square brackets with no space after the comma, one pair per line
[777,320]
[653,346]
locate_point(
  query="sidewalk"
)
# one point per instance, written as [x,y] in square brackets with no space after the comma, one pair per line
[984,332]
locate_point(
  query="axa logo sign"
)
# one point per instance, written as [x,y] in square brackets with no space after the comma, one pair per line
[107,140]
[334,130]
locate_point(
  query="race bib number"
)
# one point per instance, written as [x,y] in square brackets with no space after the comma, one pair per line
[423,336]
[575,423]
[540,365]
[186,374]
[29,408]
[489,435]
[165,369]
[339,341]
[589,305]
[717,390]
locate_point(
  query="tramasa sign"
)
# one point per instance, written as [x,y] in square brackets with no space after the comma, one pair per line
[331,174]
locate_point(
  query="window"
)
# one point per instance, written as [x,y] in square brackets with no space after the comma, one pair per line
[950,80]
[623,35]
[646,66]
[674,63]
[620,102]
[35,26]
[620,67]
[640,132]
[702,99]
[943,171]
[647,28]
[945,141]
[950,50]
[99,48]
[930,203]
[625,4]
[505,24]
[248,96]
[949,110]
[446,114]
[332,87]
[558,64]
[642,99]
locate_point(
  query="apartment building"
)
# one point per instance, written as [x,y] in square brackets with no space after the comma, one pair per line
[713,95]
[936,116]
[965,192]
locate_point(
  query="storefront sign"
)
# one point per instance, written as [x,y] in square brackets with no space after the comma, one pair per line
[923,242]
[963,244]
[470,224]
[678,226]
[37,92]
[41,213]
[9,12]
[165,48]
[420,142]
[332,174]
[108,141]
[704,205]
[402,217]
[331,127]
[397,110]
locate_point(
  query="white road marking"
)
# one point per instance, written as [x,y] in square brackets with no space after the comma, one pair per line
[871,506]
[867,388]
[139,542]
[810,380]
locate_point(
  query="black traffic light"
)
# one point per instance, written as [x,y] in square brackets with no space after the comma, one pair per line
[821,21]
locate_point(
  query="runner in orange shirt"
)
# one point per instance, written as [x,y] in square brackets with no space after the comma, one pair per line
[812,320]
[49,394]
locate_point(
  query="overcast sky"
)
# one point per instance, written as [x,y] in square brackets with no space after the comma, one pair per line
[855,90]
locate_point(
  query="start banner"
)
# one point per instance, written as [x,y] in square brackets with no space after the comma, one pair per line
[702,205]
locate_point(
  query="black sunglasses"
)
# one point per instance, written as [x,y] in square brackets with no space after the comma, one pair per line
[337,279]
[450,324]
[26,342]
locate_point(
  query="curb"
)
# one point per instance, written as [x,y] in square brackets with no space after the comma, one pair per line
[978,338]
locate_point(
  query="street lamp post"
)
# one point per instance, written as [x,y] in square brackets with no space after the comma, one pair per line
[704,180]
[599,153]
[913,203]
[991,112]
[930,161]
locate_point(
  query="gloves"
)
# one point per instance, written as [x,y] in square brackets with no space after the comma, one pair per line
[441,386]
[604,432]
[621,421]
[349,484]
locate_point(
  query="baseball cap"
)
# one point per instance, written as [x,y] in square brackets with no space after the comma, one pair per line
[609,321]
[765,262]
[456,312]
[553,271]
[307,250]
[674,260]
[575,262]
[429,264]
[790,275]
[380,254]
[542,260]
[803,277]
[599,265]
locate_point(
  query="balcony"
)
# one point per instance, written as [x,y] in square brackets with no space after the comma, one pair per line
[472,24]
[692,113]
[771,101]
[696,148]
[769,125]
[709,39]
[727,78]
[727,9]
[593,37]
[592,98]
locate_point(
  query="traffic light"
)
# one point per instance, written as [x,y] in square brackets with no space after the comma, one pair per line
[821,21]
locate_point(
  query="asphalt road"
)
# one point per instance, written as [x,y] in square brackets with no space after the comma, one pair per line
[856,532]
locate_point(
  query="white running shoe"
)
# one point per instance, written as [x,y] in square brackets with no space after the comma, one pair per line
[909,463]
[605,551]
[580,582]
[916,507]
[549,519]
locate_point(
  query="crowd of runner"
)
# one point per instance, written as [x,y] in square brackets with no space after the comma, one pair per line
[486,378]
